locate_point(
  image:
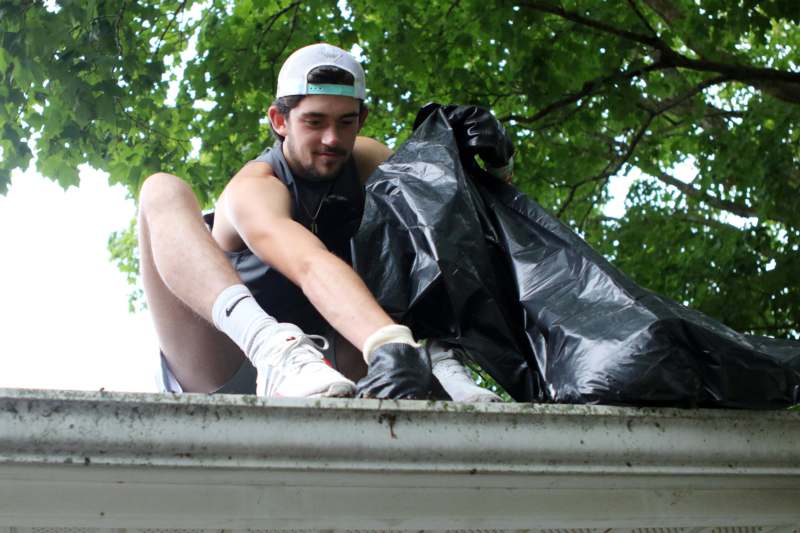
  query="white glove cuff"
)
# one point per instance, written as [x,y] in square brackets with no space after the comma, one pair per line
[387,334]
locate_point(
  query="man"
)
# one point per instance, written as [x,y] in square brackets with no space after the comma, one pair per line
[245,297]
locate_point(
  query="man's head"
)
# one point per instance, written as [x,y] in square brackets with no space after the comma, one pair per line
[319,109]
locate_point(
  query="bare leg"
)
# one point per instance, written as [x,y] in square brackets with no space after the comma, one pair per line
[183,271]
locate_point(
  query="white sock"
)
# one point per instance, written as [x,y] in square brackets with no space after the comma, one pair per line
[387,334]
[237,314]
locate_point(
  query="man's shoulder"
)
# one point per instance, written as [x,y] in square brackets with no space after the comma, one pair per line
[254,175]
[268,154]
[368,154]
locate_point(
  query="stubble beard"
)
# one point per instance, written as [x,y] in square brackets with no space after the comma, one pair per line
[308,171]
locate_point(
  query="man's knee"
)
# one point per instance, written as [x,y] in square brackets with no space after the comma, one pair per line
[164,190]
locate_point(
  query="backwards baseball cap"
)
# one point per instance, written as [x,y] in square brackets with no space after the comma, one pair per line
[293,77]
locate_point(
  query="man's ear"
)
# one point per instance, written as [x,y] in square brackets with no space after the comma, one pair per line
[278,120]
[362,115]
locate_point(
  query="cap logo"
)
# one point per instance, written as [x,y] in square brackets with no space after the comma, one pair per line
[330,53]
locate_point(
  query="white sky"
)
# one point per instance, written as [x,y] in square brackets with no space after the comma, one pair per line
[64,320]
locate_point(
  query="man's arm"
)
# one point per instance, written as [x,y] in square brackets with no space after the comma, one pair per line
[257,206]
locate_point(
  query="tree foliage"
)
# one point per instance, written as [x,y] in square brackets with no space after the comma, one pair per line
[697,101]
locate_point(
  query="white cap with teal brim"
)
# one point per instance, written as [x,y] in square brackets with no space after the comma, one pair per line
[293,77]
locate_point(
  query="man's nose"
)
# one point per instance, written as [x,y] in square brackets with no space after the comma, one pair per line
[330,137]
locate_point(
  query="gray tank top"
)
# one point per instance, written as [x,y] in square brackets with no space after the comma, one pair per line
[332,210]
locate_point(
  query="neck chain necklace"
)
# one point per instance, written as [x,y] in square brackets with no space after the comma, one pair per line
[314,227]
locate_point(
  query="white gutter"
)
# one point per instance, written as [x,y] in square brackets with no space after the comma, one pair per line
[123,461]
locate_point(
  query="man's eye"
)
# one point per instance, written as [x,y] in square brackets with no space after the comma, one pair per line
[313,123]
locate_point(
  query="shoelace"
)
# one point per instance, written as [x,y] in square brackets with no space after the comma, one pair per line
[296,356]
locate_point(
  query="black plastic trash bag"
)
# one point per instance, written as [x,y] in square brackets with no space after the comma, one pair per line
[476,263]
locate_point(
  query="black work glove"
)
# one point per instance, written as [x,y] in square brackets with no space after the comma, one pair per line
[479,133]
[398,371]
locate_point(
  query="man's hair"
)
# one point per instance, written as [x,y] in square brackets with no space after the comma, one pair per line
[324,74]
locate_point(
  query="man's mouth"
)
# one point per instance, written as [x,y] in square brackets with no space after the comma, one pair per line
[332,153]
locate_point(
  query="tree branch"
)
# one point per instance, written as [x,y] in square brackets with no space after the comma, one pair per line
[690,190]
[445,18]
[272,19]
[590,87]
[755,76]
[593,86]
[721,226]
[707,222]
[453,5]
[670,103]
[725,205]
[571,196]
[147,127]
[547,7]
[117,24]
[616,164]
[780,329]
[642,18]
[613,166]
[582,223]
[672,15]
[292,26]
[743,73]
[166,29]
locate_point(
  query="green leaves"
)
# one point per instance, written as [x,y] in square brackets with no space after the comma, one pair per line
[587,89]
[122,252]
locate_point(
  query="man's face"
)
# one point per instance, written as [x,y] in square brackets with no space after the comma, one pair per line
[319,134]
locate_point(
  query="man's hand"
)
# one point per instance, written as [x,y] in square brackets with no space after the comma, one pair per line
[397,371]
[477,132]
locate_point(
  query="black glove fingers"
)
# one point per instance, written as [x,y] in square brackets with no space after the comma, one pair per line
[397,371]
[477,132]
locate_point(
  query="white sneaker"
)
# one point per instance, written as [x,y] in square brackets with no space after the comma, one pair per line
[455,379]
[290,364]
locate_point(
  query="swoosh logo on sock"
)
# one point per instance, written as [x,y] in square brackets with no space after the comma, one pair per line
[229,310]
